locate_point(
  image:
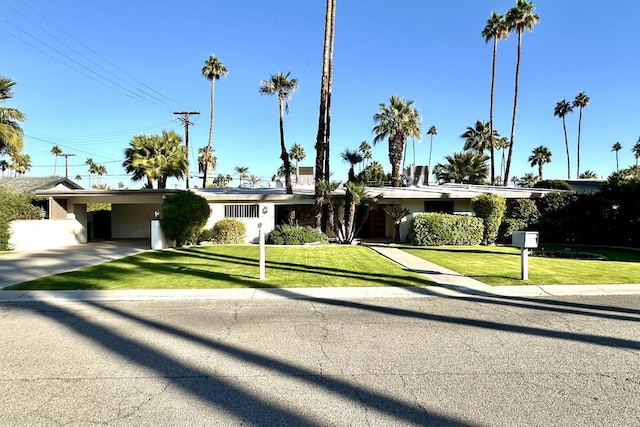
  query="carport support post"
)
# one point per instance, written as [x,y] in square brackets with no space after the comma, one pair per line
[524,264]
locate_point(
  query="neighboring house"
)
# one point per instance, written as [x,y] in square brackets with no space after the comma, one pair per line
[132,211]
[586,185]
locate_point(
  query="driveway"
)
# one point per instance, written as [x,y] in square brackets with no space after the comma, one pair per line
[24,266]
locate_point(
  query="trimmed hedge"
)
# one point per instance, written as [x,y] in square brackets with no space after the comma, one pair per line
[183,216]
[286,234]
[490,208]
[14,206]
[229,231]
[436,229]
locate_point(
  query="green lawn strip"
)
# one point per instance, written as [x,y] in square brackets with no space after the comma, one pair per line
[497,265]
[238,267]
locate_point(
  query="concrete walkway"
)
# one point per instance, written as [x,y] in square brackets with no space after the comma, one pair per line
[20,267]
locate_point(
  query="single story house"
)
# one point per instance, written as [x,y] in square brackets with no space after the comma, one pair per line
[134,211]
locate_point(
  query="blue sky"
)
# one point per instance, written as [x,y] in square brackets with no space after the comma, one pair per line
[91,75]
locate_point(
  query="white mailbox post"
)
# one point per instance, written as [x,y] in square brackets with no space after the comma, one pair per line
[524,240]
[263,272]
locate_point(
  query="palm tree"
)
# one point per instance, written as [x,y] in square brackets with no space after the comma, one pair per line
[636,151]
[91,168]
[581,100]
[4,165]
[496,29]
[502,144]
[527,181]
[616,147]
[11,135]
[78,177]
[365,149]
[324,116]
[284,86]
[20,163]
[297,153]
[100,170]
[56,151]
[562,109]
[396,213]
[518,19]
[243,174]
[539,157]
[397,122]
[212,71]
[478,137]
[431,132]
[466,167]
[353,157]
[155,158]
[254,180]
[206,162]
[588,174]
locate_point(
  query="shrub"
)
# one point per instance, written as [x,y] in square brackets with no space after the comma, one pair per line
[436,229]
[554,184]
[508,227]
[286,234]
[183,216]
[14,206]
[490,208]
[229,231]
[523,209]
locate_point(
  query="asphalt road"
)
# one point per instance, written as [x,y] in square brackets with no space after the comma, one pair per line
[380,362]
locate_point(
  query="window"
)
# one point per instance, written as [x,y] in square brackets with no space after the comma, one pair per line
[439,206]
[241,211]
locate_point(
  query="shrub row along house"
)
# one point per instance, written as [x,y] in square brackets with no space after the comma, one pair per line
[67,219]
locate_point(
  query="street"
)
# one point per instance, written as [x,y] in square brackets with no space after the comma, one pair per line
[479,360]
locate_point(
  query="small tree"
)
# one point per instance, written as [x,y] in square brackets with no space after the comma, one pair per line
[14,206]
[490,208]
[396,213]
[183,216]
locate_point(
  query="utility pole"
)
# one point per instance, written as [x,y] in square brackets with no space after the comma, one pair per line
[66,163]
[184,118]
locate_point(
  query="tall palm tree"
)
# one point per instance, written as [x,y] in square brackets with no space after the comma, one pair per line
[353,157]
[206,162]
[243,174]
[365,149]
[212,71]
[397,121]
[496,29]
[324,117]
[11,136]
[636,151]
[467,167]
[284,86]
[616,147]
[502,144]
[297,153]
[478,138]
[539,157]
[100,171]
[581,100]
[56,151]
[431,132]
[519,18]
[562,109]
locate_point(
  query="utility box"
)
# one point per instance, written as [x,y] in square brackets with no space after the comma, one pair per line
[525,239]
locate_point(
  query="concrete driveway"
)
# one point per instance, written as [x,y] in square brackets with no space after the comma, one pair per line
[24,266]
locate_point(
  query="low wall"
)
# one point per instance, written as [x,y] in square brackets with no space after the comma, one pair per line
[30,235]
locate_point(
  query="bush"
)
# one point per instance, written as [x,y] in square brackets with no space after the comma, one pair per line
[490,208]
[523,209]
[14,206]
[554,184]
[508,227]
[183,216]
[229,231]
[435,229]
[286,234]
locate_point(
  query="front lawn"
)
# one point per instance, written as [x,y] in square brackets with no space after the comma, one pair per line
[497,265]
[238,267]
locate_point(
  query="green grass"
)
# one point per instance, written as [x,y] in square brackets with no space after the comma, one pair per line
[497,265]
[238,267]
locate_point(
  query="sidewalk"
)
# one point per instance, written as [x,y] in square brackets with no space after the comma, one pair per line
[15,268]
